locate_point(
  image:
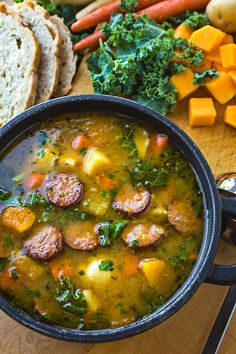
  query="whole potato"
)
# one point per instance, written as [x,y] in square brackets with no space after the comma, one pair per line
[222,14]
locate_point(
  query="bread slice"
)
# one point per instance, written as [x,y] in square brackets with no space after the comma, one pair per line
[49,40]
[67,58]
[19,60]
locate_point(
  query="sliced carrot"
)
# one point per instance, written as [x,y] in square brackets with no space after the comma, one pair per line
[6,281]
[193,257]
[61,266]
[35,180]
[79,142]
[158,12]
[159,142]
[130,264]
[104,13]
[183,31]
[107,183]
[165,9]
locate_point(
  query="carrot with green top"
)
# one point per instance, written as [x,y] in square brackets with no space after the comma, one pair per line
[104,13]
[159,12]
[165,9]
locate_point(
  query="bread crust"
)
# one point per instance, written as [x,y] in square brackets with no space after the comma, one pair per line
[48,82]
[67,58]
[32,76]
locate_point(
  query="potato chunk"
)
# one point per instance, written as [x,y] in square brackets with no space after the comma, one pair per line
[152,269]
[94,160]
[19,219]
[142,141]
[91,299]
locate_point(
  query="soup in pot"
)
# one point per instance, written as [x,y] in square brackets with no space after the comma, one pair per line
[101,221]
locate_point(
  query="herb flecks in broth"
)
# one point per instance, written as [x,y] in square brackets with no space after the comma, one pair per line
[127,205]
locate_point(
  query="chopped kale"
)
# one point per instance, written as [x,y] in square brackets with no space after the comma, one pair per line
[110,231]
[3,263]
[199,77]
[72,300]
[32,293]
[4,194]
[106,265]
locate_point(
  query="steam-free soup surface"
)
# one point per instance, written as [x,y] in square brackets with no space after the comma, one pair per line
[101,221]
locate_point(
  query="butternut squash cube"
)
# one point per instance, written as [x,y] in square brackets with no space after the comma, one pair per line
[207,38]
[228,38]
[152,269]
[228,56]
[142,141]
[183,31]
[94,161]
[232,75]
[230,116]
[219,67]
[202,112]
[19,219]
[28,267]
[183,83]
[214,56]
[221,88]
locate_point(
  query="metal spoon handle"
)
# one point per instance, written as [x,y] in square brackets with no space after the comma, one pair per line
[221,323]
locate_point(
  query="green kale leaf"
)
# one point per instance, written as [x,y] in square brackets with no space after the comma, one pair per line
[199,77]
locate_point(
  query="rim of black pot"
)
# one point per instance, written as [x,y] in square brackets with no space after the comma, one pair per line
[132,110]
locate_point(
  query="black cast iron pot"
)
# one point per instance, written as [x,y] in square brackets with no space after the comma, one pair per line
[203,271]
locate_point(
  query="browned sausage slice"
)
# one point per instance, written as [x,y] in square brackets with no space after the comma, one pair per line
[81,235]
[131,202]
[64,190]
[182,216]
[44,243]
[143,235]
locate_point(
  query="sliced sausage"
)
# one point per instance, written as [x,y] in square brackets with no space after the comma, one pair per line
[182,216]
[44,243]
[81,235]
[131,202]
[64,190]
[143,235]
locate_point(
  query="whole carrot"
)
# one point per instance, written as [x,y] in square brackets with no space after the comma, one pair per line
[104,13]
[158,12]
[91,41]
[162,11]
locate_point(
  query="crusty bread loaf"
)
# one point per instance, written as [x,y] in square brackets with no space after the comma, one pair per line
[67,58]
[49,40]
[19,60]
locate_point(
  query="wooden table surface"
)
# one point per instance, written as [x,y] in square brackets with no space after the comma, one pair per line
[185,332]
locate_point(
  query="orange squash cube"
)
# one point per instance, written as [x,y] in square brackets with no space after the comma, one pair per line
[207,38]
[183,83]
[228,56]
[183,31]
[219,67]
[152,269]
[214,56]
[232,75]
[202,112]
[228,38]
[19,219]
[230,116]
[221,88]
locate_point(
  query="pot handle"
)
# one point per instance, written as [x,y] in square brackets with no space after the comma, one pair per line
[224,274]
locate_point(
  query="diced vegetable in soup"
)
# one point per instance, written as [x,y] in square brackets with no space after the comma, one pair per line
[101,221]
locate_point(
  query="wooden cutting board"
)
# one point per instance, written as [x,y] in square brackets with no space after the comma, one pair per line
[185,332]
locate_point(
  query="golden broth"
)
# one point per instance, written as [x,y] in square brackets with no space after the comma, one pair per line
[124,291]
